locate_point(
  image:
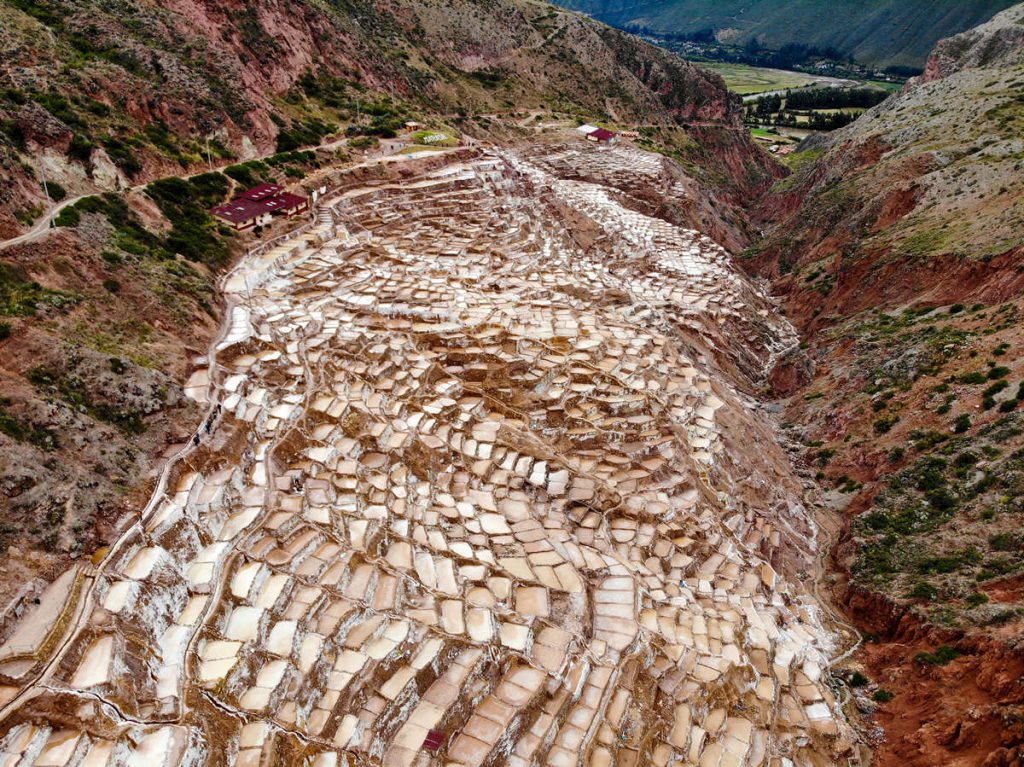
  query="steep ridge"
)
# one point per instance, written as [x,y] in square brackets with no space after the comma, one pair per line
[878,32]
[115,93]
[897,248]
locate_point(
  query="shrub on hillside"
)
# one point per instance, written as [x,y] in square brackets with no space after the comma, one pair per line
[942,656]
[56,191]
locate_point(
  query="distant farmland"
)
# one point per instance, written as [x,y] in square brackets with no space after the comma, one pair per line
[746,80]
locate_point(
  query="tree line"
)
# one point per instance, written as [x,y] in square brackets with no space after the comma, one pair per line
[782,109]
[834,98]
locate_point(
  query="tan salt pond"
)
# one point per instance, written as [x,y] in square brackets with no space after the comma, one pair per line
[94,669]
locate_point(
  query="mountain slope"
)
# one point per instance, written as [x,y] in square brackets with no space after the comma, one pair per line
[930,176]
[118,92]
[897,248]
[880,32]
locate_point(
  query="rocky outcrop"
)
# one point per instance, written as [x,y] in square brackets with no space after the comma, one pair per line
[923,186]
[998,43]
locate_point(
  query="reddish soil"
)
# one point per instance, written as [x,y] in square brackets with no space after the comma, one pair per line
[1008,590]
[969,713]
[955,715]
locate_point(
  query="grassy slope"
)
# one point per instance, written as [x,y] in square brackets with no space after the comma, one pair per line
[745,80]
[876,31]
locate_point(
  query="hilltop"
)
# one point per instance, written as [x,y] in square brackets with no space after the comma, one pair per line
[881,33]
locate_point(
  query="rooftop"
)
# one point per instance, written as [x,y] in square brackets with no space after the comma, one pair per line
[255,202]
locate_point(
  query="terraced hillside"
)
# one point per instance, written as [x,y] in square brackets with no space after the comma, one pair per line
[878,32]
[100,315]
[480,477]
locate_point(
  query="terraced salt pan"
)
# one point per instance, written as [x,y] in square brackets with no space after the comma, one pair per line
[480,487]
[94,668]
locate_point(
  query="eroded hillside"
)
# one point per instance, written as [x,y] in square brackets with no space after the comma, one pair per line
[897,246]
[103,95]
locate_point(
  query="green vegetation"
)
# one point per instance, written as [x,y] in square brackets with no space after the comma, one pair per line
[887,85]
[976,599]
[775,109]
[796,161]
[883,33]
[747,80]
[884,425]
[40,437]
[22,297]
[76,392]
[194,234]
[923,590]
[363,142]
[308,132]
[882,696]
[248,174]
[924,243]
[858,679]
[294,164]
[129,234]
[193,231]
[973,377]
[325,87]
[943,656]
[56,191]
[815,108]
[908,547]
[434,138]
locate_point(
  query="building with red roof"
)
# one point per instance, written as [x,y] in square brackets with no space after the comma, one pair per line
[602,136]
[256,206]
[262,191]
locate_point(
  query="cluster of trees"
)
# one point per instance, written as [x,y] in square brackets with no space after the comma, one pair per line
[822,121]
[764,107]
[779,109]
[705,35]
[753,51]
[757,53]
[789,56]
[834,98]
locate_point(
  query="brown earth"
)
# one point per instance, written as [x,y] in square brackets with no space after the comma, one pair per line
[917,206]
[102,378]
